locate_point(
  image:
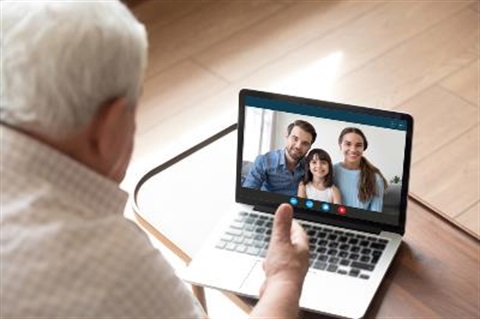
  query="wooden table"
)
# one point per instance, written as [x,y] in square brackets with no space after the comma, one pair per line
[436,272]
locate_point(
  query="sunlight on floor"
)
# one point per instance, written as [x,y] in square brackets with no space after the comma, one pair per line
[315,81]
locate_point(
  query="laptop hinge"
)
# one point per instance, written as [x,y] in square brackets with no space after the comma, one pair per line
[336,223]
[264,209]
[354,226]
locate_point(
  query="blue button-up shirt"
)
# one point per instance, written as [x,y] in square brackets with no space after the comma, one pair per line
[270,173]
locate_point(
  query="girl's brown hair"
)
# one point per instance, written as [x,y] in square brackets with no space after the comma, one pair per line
[367,183]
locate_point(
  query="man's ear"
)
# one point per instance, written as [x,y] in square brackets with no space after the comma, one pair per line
[105,126]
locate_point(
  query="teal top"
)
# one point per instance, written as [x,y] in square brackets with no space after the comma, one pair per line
[347,182]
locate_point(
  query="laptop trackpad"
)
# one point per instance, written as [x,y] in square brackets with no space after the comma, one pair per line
[254,280]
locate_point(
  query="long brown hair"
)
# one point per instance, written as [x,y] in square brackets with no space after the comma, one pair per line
[322,156]
[367,184]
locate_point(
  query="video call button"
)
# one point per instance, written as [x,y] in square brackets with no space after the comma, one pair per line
[342,210]
[294,201]
[309,204]
[325,207]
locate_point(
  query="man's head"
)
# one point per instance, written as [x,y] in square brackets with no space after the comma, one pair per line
[66,66]
[300,137]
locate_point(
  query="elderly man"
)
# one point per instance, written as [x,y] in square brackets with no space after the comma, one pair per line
[71,76]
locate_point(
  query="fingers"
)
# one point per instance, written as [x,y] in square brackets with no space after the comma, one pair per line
[282,224]
[299,236]
[287,256]
[262,288]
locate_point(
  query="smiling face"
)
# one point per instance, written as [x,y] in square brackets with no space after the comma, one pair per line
[352,147]
[298,144]
[319,168]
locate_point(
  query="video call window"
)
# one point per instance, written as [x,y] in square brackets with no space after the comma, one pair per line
[266,133]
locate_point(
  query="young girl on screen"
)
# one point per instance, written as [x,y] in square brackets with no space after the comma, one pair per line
[318,181]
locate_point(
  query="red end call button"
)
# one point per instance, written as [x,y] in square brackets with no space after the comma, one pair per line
[342,210]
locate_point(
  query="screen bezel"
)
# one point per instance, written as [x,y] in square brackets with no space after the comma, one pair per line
[270,200]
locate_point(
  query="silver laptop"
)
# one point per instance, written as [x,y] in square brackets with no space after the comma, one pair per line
[352,241]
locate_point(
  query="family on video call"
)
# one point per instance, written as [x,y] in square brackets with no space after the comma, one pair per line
[298,170]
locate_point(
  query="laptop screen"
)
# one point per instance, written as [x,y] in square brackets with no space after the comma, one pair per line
[334,163]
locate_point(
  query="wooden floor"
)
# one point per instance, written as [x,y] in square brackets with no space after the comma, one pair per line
[416,56]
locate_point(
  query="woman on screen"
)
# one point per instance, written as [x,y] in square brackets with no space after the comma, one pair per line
[318,181]
[361,184]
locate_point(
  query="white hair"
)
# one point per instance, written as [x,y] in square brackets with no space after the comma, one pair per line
[62,60]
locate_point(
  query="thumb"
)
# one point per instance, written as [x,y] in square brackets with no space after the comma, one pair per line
[282,224]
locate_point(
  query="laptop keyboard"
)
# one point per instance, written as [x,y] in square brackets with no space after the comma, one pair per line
[332,250]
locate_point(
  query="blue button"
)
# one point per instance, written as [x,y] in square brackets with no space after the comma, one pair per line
[309,204]
[325,207]
[294,201]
